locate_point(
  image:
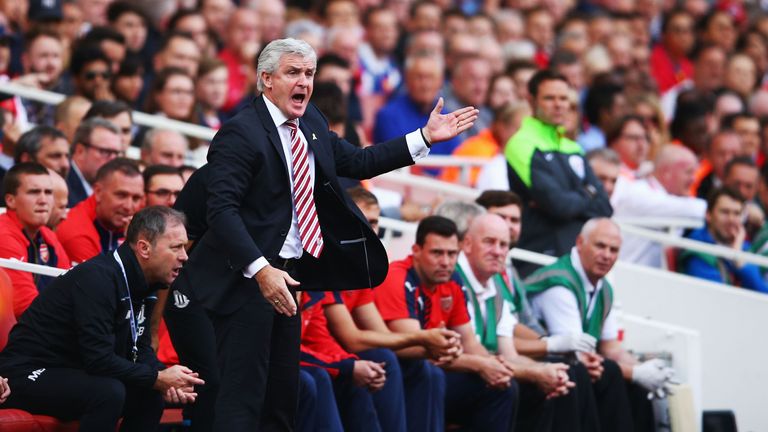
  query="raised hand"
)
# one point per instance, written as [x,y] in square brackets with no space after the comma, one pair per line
[442,127]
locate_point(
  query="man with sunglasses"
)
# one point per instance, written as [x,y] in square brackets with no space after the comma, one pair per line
[96,142]
[91,72]
[97,225]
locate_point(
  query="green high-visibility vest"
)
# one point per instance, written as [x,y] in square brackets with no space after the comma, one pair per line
[562,273]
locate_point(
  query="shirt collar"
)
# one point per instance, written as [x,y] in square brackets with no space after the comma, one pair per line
[483,291]
[576,261]
[277,116]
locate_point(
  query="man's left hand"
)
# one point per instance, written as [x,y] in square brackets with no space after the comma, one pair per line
[441,127]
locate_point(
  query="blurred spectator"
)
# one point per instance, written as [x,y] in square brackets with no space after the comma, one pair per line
[342,13]
[724,146]
[28,192]
[71,26]
[308,31]
[470,78]
[548,171]
[458,47]
[501,91]
[727,102]
[460,213]
[606,164]
[540,29]
[94,12]
[119,114]
[604,105]
[172,95]
[242,42]
[489,143]
[177,50]
[92,73]
[211,92]
[164,147]
[379,73]
[717,27]
[46,146]
[216,14]
[521,72]
[69,113]
[648,108]
[131,21]
[669,59]
[96,142]
[423,78]
[741,75]
[97,225]
[629,138]
[664,193]
[272,13]
[60,200]
[743,176]
[43,59]
[129,81]
[570,66]
[193,23]
[708,75]
[110,41]
[691,124]
[747,126]
[725,207]
[162,185]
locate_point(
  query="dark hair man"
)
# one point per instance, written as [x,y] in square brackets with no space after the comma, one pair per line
[96,142]
[45,145]
[28,192]
[547,170]
[82,352]
[162,185]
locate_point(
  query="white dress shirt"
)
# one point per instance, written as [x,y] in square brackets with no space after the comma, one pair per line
[559,309]
[648,197]
[506,323]
[292,248]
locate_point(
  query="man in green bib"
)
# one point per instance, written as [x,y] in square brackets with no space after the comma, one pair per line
[572,296]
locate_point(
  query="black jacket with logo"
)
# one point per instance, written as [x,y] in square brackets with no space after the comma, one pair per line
[82,321]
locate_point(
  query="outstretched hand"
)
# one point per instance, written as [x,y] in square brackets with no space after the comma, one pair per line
[442,127]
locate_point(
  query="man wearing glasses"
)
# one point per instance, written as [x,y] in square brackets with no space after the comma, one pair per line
[162,185]
[92,73]
[97,225]
[96,142]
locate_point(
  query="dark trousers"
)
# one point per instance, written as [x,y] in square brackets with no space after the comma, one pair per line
[317,404]
[390,400]
[477,407]
[193,337]
[535,413]
[258,357]
[97,402]
[642,409]
[577,411]
[424,385]
[356,407]
[612,402]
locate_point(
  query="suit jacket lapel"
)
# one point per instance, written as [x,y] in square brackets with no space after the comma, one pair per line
[313,140]
[269,125]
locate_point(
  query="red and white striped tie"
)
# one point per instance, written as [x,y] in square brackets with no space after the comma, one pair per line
[309,225]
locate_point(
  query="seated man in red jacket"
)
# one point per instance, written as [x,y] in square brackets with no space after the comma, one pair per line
[97,224]
[28,191]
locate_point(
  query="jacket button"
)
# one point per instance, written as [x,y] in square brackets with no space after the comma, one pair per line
[283,233]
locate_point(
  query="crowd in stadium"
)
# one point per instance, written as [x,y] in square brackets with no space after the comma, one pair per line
[587,110]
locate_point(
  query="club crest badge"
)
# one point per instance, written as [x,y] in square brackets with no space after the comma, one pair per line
[44,254]
[446,303]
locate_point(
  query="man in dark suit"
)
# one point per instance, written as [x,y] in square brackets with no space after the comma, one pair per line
[279,220]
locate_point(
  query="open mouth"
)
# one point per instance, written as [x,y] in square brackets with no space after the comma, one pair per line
[298,98]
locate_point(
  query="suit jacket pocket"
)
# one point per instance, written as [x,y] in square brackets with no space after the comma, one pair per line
[352,241]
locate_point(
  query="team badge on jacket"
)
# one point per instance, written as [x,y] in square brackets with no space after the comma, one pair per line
[44,254]
[446,303]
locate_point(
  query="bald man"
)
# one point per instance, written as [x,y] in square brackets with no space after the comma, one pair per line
[662,194]
[562,290]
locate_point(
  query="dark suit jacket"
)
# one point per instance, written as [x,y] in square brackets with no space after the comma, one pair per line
[250,208]
[76,190]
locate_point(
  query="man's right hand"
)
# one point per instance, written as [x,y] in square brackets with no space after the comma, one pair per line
[5,389]
[370,375]
[273,284]
[495,373]
[176,377]
[442,344]
[573,342]
[594,364]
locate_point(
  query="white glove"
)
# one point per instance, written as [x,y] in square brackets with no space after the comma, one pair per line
[654,376]
[562,343]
